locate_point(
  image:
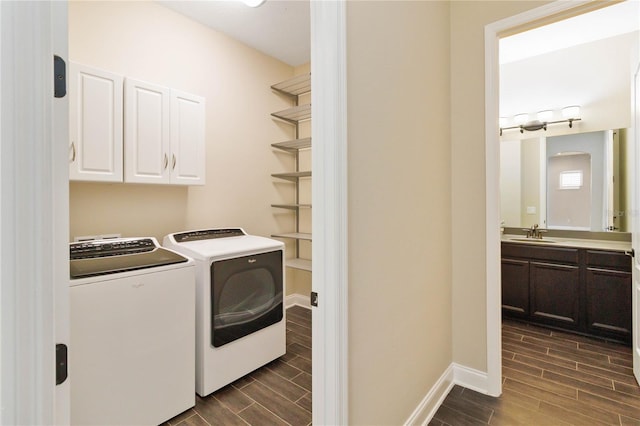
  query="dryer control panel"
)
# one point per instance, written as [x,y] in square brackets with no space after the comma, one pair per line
[208,234]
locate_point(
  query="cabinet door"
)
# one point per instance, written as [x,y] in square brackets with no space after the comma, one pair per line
[187,139]
[555,294]
[146,136]
[515,288]
[609,302]
[95,124]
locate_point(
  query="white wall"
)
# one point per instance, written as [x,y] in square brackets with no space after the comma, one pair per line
[147,41]
[510,188]
[593,75]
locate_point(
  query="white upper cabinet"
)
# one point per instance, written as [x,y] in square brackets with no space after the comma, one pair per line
[164,135]
[95,102]
[146,134]
[187,139]
[133,131]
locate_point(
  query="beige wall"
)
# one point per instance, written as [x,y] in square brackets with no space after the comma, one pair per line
[468,19]
[147,41]
[399,206]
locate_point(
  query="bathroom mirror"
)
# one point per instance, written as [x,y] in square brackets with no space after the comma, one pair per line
[572,182]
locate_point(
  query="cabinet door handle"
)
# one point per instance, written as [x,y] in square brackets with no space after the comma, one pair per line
[166,161]
[174,162]
[73,152]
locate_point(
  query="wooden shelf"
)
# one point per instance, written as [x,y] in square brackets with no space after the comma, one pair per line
[292,206]
[294,235]
[298,263]
[294,145]
[292,176]
[296,86]
[295,114]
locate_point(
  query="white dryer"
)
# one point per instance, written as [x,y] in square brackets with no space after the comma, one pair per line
[240,316]
[132,346]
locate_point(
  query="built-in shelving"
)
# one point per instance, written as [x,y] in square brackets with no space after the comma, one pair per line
[292,206]
[294,145]
[294,235]
[295,114]
[293,88]
[292,176]
[298,263]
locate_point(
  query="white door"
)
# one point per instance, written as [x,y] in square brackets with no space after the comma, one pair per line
[95,103]
[146,132]
[187,139]
[636,225]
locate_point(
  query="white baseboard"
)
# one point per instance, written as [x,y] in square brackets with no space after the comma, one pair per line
[470,378]
[455,374]
[296,299]
[424,412]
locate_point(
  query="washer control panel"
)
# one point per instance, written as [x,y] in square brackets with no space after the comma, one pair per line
[106,248]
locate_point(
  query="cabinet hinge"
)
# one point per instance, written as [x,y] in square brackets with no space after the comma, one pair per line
[314,298]
[59,77]
[61,363]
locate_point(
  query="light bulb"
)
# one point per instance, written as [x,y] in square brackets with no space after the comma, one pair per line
[253,3]
[545,115]
[521,118]
[571,112]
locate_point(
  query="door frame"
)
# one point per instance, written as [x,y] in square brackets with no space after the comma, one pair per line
[329,216]
[526,20]
[44,272]
[33,210]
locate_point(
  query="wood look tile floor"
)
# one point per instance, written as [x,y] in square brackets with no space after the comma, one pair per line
[551,378]
[277,394]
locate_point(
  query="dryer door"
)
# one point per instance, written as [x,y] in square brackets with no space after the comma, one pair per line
[246,295]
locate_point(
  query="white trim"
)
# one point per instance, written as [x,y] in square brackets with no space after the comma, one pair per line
[455,374]
[297,299]
[492,179]
[329,216]
[29,213]
[470,378]
[427,408]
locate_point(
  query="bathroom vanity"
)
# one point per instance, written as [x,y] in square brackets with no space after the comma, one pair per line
[583,286]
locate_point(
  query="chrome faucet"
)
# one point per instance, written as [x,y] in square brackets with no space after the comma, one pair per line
[534,232]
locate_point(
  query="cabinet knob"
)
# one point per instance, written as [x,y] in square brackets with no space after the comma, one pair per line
[173,167]
[166,161]
[72,148]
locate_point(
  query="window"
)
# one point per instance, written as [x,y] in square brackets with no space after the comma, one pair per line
[571,179]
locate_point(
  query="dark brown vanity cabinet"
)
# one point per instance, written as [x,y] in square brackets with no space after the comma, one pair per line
[582,290]
[608,294]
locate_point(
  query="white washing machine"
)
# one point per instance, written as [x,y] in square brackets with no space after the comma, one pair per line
[132,345]
[240,317]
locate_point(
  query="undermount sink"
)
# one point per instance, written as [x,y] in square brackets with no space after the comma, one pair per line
[532,240]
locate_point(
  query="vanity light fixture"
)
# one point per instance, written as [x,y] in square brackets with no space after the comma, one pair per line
[253,3]
[543,119]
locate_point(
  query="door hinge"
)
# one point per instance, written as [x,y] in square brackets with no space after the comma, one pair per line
[314,298]
[631,253]
[59,77]
[61,363]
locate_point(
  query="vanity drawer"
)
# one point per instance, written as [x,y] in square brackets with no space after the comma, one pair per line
[552,254]
[609,259]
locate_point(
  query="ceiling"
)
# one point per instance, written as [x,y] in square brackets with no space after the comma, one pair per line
[620,18]
[278,28]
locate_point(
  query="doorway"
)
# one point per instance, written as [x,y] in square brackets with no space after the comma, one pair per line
[493,32]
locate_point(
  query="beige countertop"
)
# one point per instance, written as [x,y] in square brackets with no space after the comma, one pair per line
[569,242]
